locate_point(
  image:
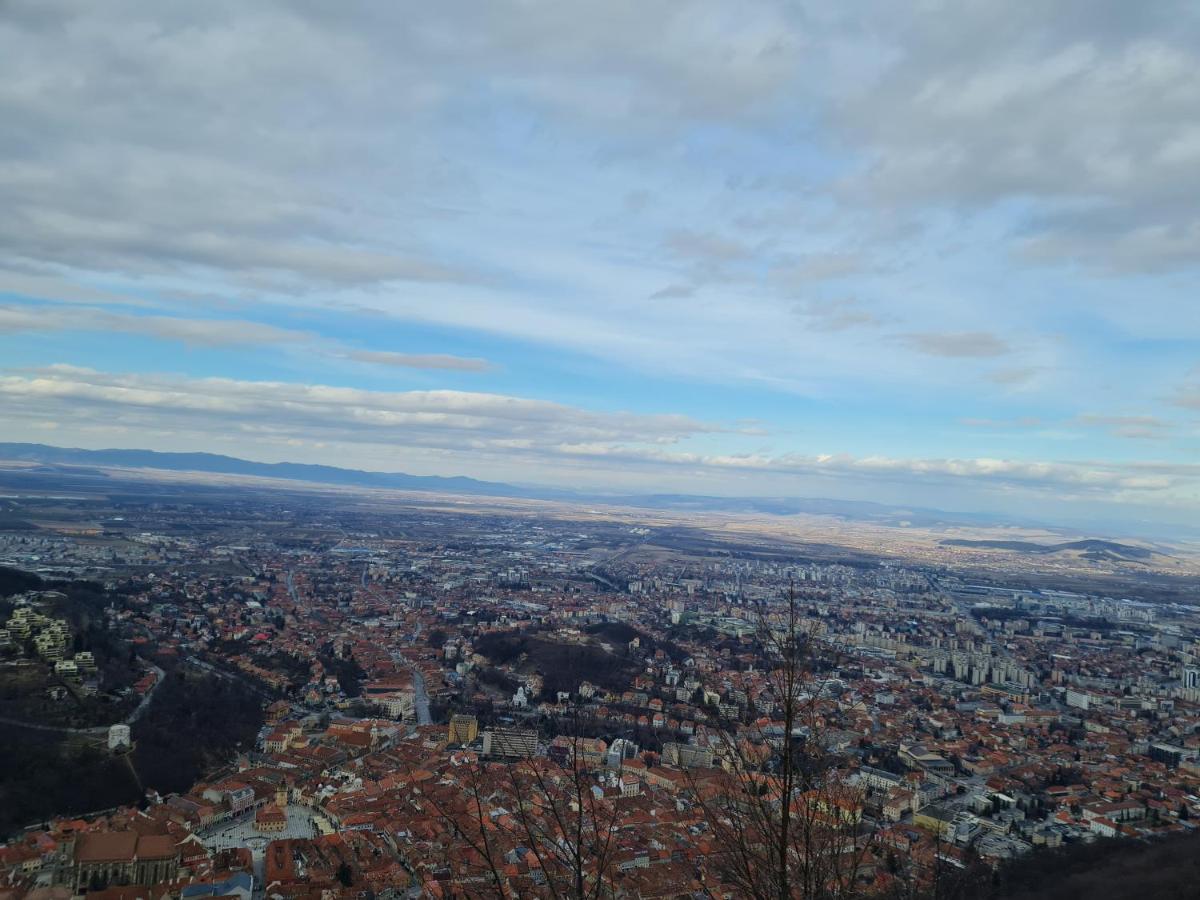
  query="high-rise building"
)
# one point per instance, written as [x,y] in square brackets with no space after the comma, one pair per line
[510,743]
[463,729]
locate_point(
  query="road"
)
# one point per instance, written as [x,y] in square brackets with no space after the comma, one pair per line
[589,569]
[98,730]
[420,694]
[421,698]
[231,676]
[159,677]
[58,729]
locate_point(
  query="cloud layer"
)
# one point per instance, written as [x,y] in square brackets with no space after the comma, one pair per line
[532,434]
[449,419]
[949,242]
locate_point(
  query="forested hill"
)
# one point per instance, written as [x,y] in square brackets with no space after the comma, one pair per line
[14,581]
[1086,547]
[1113,869]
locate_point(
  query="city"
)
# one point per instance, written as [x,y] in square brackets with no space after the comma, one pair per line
[400,673]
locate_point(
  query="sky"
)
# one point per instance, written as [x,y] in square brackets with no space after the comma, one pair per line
[931,253]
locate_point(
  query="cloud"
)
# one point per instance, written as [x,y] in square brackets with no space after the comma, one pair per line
[213,165]
[1022,422]
[218,333]
[706,247]
[550,439]
[457,178]
[56,289]
[1141,249]
[1140,427]
[1133,426]
[1187,396]
[213,143]
[446,419]
[960,344]
[814,267]
[1084,112]
[53,227]
[537,176]
[201,332]
[1131,482]
[836,315]
[674,292]
[1087,476]
[420,360]
[1014,377]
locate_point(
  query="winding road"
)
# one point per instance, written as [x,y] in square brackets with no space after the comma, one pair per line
[98,730]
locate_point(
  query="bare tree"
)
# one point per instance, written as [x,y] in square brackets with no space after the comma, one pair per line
[556,811]
[934,875]
[784,822]
[479,848]
[570,823]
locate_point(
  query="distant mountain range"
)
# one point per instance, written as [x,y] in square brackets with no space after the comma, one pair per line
[212,463]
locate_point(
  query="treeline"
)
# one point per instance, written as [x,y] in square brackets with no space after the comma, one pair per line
[23,694]
[348,672]
[501,647]
[47,774]
[622,633]
[1164,868]
[706,636]
[1113,869]
[196,722]
[490,675]
[14,581]
[563,666]
[81,604]
[296,669]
